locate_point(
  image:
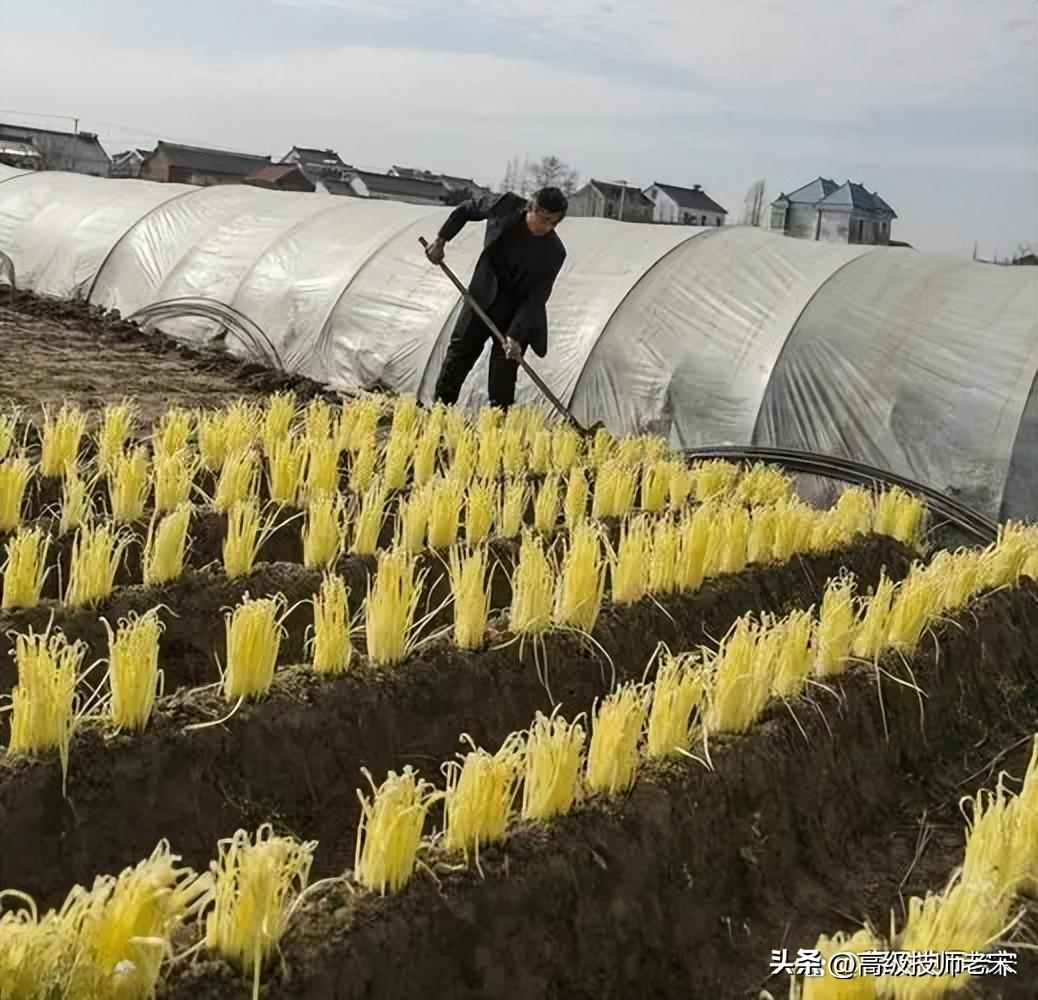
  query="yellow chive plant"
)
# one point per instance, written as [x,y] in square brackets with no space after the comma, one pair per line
[15,474]
[533,587]
[25,568]
[76,500]
[324,531]
[470,589]
[254,632]
[481,502]
[247,530]
[581,581]
[239,479]
[546,504]
[43,702]
[480,794]
[553,761]
[389,833]
[678,696]
[514,498]
[97,553]
[61,437]
[574,506]
[368,525]
[616,728]
[390,607]
[255,881]
[330,645]
[174,476]
[173,432]
[113,435]
[129,485]
[134,678]
[166,546]
[446,499]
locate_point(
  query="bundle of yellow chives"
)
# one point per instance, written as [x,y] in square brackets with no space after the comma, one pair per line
[332,645]
[546,504]
[533,583]
[480,793]
[390,829]
[616,727]
[554,754]
[581,582]
[678,691]
[25,568]
[574,506]
[133,668]
[480,504]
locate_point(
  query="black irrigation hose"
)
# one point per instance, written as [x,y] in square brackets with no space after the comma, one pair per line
[6,268]
[974,524]
[230,318]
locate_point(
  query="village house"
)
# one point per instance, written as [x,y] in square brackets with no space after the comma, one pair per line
[835,213]
[21,155]
[281,177]
[458,188]
[318,164]
[684,206]
[79,152]
[128,163]
[606,200]
[365,184]
[175,164]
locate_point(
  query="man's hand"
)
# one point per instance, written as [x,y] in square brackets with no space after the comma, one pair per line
[513,349]
[434,251]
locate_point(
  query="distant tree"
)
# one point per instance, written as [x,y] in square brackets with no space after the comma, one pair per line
[755,203]
[512,180]
[553,172]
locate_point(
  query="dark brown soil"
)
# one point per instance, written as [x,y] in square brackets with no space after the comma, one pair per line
[295,756]
[683,887]
[76,352]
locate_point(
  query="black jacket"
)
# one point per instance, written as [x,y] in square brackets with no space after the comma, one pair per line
[530,323]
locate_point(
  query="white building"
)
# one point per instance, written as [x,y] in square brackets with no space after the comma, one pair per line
[684,206]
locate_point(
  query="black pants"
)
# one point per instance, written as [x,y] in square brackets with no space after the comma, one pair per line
[463,350]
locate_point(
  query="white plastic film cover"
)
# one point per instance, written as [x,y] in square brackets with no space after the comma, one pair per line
[365,312]
[689,352]
[223,254]
[59,227]
[1018,498]
[917,363]
[143,259]
[6,172]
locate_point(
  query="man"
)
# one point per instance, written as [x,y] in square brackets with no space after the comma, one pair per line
[522,255]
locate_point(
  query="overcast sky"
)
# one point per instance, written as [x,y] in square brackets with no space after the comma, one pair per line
[932,103]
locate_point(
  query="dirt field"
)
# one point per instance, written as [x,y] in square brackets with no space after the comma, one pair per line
[266,760]
[805,826]
[55,351]
[834,808]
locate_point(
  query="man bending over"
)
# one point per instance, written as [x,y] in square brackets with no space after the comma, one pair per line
[522,255]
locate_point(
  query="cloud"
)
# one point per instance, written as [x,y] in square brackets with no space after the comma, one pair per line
[831,59]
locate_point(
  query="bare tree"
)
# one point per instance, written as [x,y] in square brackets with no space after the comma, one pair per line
[754,203]
[511,181]
[524,177]
[553,172]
